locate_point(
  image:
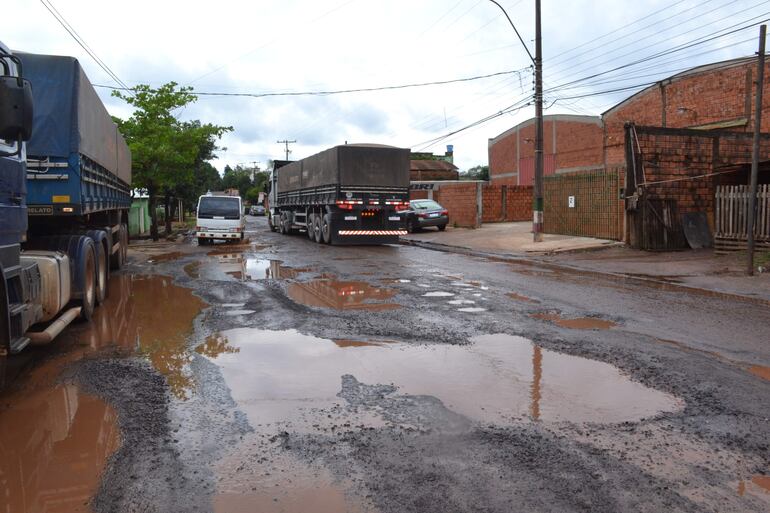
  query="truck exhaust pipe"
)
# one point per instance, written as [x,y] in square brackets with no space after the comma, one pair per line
[39,338]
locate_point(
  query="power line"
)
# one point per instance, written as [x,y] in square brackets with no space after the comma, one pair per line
[343,91]
[682,46]
[80,41]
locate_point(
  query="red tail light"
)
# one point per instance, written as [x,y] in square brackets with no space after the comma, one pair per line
[445,212]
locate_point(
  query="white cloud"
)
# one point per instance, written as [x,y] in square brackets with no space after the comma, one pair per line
[296,45]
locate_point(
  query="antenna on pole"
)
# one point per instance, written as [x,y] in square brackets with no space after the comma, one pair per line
[287,143]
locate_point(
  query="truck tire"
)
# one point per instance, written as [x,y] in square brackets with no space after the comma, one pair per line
[203,241]
[118,259]
[81,251]
[282,224]
[310,223]
[84,277]
[326,228]
[102,266]
[317,236]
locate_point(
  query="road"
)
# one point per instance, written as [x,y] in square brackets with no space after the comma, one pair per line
[280,375]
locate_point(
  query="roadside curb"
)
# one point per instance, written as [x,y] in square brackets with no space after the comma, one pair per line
[532,261]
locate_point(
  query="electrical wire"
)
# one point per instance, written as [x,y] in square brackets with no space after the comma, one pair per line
[80,41]
[343,91]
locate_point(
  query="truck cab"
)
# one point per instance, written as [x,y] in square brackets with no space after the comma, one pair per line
[219,217]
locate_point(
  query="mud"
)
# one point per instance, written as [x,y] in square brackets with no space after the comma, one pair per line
[761,371]
[165,257]
[55,442]
[341,295]
[519,297]
[579,323]
[269,375]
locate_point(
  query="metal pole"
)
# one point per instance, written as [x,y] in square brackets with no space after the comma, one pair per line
[755,149]
[537,206]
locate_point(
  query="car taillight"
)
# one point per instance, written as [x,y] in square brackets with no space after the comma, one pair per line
[445,212]
[422,215]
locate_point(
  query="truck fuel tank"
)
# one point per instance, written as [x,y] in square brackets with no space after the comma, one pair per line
[56,290]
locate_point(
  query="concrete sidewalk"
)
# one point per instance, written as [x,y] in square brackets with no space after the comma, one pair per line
[700,270]
[507,238]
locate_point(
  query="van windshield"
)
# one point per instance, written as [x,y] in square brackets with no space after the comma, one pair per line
[219,206]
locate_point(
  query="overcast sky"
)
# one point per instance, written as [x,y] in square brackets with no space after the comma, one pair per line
[232,46]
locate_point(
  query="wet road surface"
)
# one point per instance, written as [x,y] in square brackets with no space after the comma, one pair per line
[280,375]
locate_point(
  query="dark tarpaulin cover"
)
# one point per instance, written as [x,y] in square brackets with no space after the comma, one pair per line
[69,117]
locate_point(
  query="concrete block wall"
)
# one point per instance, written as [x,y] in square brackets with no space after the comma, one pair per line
[461,200]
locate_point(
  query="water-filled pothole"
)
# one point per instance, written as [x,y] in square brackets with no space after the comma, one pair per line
[341,295]
[577,323]
[285,376]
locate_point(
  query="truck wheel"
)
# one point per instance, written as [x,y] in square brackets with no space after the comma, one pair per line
[317,236]
[85,274]
[326,229]
[270,221]
[102,268]
[203,241]
[282,222]
[310,221]
[118,259]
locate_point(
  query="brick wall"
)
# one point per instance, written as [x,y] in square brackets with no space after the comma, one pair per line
[570,141]
[460,199]
[711,96]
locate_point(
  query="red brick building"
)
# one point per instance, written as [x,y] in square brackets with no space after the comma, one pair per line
[420,170]
[679,163]
[570,144]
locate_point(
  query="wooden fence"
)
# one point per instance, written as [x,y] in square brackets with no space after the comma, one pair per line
[731,218]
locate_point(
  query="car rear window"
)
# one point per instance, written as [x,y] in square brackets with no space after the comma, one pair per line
[219,206]
[425,204]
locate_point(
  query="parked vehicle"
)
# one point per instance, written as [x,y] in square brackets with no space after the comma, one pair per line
[425,212]
[219,217]
[348,194]
[257,210]
[65,172]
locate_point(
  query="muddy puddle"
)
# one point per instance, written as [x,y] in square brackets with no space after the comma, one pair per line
[54,444]
[243,267]
[761,371]
[519,297]
[342,295]
[146,315]
[757,486]
[577,323]
[499,378]
[283,484]
[165,257]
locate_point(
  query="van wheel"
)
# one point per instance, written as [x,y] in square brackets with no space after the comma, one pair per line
[326,229]
[203,241]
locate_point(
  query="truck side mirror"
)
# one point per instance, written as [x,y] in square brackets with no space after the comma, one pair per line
[15,109]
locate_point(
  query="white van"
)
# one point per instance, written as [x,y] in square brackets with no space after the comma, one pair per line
[219,217]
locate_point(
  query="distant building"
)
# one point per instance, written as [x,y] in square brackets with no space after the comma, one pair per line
[427,166]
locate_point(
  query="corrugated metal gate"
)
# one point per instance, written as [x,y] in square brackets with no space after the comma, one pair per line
[583,204]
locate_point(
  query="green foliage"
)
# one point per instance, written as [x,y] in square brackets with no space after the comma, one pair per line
[245,179]
[168,155]
[476,173]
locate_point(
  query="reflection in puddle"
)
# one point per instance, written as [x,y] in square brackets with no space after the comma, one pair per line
[54,444]
[438,293]
[215,345]
[472,309]
[283,485]
[283,375]
[761,371]
[758,486]
[578,323]
[246,268]
[149,315]
[519,297]
[193,270]
[461,302]
[341,295]
[165,257]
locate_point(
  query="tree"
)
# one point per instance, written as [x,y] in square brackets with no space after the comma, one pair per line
[476,173]
[164,150]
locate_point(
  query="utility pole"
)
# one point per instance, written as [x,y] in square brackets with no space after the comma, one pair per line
[537,60]
[755,150]
[287,143]
[537,218]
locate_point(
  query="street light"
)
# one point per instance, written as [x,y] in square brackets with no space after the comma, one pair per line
[537,60]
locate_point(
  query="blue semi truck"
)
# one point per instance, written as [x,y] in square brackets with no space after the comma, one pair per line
[65,174]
